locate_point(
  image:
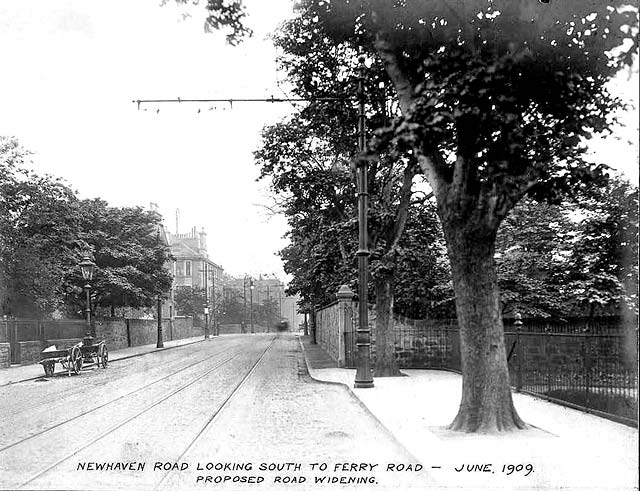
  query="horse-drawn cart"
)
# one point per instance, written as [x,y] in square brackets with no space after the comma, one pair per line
[74,358]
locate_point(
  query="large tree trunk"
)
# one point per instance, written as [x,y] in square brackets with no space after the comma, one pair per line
[486,405]
[386,365]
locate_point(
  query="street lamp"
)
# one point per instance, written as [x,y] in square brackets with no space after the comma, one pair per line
[251,305]
[244,301]
[160,341]
[87,267]
[206,301]
[363,334]
[206,321]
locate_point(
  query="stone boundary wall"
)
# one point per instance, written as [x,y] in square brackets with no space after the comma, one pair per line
[327,329]
[29,352]
[114,332]
[142,331]
[230,329]
[5,355]
[334,324]
[118,333]
[121,333]
[182,328]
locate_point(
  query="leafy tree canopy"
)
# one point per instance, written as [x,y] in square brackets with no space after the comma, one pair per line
[38,235]
[223,15]
[190,301]
[602,269]
[129,253]
[498,95]
[45,231]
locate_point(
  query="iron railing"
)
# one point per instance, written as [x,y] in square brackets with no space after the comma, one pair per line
[589,368]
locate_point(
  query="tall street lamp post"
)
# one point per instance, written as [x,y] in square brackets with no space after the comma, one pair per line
[363,335]
[244,308]
[206,302]
[87,267]
[213,302]
[244,300]
[160,343]
[251,286]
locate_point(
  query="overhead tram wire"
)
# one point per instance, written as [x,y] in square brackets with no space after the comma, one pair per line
[230,101]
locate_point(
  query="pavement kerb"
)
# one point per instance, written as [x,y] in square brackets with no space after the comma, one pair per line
[347,388]
[112,360]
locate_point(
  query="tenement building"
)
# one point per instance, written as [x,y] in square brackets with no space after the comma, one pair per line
[193,268]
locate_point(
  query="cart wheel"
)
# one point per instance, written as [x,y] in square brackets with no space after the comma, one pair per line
[49,368]
[75,360]
[103,356]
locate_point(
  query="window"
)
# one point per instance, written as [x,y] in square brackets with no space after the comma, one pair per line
[187,268]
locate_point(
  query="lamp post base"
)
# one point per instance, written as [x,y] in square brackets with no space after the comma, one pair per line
[363,384]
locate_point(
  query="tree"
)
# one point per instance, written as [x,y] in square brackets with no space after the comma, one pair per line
[190,301]
[39,243]
[602,269]
[572,258]
[321,138]
[497,98]
[532,247]
[45,231]
[232,309]
[315,190]
[223,14]
[129,253]
[423,276]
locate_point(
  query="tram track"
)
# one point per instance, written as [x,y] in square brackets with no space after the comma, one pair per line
[217,411]
[96,408]
[112,428]
[123,428]
[75,390]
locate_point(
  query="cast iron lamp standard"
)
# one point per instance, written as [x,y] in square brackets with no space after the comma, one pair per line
[206,301]
[160,342]
[244,308]
[87,267]
[251,287]
[363,334]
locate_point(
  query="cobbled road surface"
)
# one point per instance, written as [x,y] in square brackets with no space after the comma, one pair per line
[237,412]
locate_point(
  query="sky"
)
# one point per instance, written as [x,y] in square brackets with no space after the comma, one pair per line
[71,69]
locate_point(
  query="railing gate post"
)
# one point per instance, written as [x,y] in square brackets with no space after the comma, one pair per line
[345,296]
[586,361]
[519,352]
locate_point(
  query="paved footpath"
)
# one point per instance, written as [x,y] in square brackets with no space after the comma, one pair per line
[563,449]
[297,434]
